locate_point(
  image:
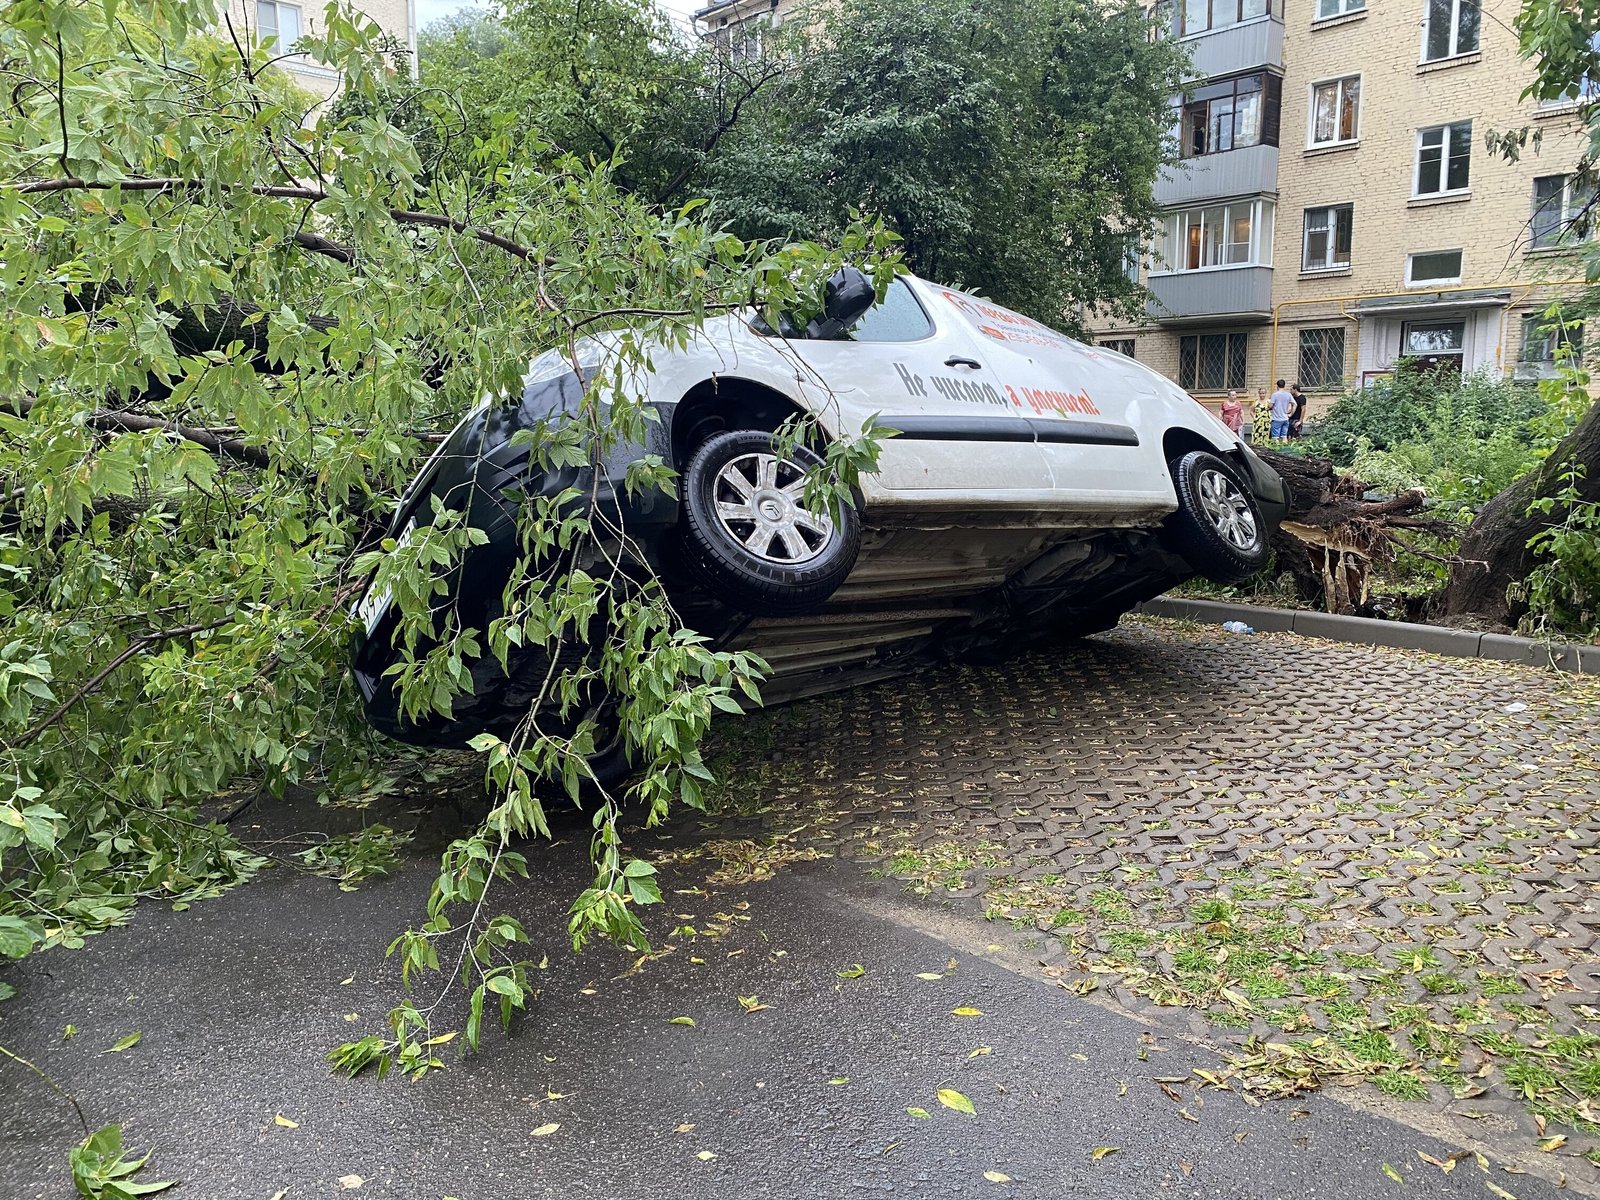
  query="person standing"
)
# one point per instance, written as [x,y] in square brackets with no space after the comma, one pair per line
[1298,416]
[1233,412]
[1282,410]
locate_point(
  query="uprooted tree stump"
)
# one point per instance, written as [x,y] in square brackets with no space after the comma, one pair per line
[1332,535]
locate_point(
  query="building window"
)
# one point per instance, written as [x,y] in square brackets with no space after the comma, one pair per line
[1548,344]
[1212,362]
[1584,89]
[1433,267]
[1434,343]
[1328,9]
[1335,109]
[1444,159]
[1327,244]
[278,22]
[1123,346]
[1451,29]
[1561,215]
[1322,358]
[1232,113]
[1198,16]
[1221,235]
[1132,256]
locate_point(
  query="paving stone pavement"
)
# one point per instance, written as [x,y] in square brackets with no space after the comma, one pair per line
[1398,850]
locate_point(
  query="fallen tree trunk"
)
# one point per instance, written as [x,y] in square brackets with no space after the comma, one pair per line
[1333,535]
[1494,553]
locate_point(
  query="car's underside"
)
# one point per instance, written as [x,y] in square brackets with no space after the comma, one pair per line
[926,594]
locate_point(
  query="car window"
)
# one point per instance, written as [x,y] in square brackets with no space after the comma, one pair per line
[898,317]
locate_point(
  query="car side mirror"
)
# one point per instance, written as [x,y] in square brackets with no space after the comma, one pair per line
[846,299]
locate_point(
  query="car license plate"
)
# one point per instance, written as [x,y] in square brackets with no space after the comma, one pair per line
[369,610]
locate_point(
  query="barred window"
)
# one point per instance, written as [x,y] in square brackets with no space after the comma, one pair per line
[1211,362]
[1322,358]
[1119,345]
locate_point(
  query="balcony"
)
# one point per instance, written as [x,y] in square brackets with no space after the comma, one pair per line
[1234,48]
[1240,295]
[1249,171]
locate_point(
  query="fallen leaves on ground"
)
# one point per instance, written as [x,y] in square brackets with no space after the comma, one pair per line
[1100,1152]
[127,1043]
[285,1122]
[546,1130]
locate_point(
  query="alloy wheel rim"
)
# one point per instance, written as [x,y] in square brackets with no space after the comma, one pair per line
[760,505]
[1227,509]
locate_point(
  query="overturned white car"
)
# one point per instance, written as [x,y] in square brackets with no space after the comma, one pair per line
[1033,484]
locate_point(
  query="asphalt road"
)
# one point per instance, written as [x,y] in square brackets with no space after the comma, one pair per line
[239,999]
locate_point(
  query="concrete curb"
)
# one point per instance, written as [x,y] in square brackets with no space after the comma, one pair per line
[1365,631]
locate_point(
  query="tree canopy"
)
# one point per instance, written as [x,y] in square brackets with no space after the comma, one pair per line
[1012,144]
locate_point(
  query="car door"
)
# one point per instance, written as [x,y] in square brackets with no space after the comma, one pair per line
[910,367]
[1095,412]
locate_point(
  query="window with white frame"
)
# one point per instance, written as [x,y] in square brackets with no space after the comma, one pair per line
[1451,29]
[1211,362]
[1438,344]
[1335,111]
[1584,89]
[1200,16]
[1328,9]
[1549,343]
[278,22]
[1132,257]
[1327,240]
[1433,267]
[1220,235]
[1561,212]
[1444,159]
[1232,113]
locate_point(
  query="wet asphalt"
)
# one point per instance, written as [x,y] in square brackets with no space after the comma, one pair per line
[239,999]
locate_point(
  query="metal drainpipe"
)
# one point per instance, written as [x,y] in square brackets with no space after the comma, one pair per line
[411,34]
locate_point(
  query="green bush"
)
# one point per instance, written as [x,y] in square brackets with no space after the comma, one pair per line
[1461,438]
[1415,406]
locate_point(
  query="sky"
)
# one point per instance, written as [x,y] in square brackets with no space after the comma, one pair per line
[432,10]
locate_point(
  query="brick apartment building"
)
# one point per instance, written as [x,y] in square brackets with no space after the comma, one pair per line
[740,25]
[288,22]
[1336,206]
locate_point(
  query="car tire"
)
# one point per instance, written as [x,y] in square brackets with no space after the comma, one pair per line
[1218,527]
[747,535]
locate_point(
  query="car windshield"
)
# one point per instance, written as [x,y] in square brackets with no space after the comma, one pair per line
[898,317]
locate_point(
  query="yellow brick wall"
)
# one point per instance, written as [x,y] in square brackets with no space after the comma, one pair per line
[1398,96]
[395,16]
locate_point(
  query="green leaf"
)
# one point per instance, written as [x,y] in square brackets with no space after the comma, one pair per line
[954,1099]
[125,1043]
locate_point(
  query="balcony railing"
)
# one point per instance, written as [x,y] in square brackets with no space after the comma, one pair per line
[1237,294]
[1257,43]
[1248,171]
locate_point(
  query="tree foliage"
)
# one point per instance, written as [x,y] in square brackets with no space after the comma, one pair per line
[232,328]
[1012,144]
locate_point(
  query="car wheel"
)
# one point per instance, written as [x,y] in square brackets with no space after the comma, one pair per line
[1218,527]
[748,533]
